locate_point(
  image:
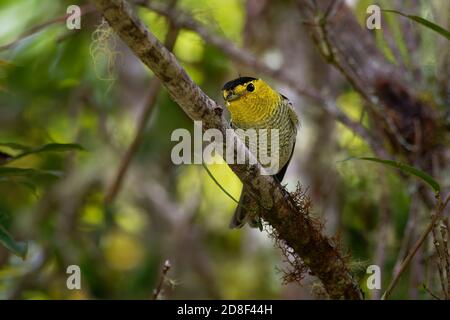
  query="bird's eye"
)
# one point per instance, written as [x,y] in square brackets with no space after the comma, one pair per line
[250,87]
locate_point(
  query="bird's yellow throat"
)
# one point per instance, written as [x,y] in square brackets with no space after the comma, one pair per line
[252,107]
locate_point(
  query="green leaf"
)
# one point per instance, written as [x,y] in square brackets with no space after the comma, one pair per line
[51,147]
[407,169]
[15,146]
[18,248]
[430,25]
[27,172]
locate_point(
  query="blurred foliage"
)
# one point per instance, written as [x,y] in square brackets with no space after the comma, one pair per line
[55,92]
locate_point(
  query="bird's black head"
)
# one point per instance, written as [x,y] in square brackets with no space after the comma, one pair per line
[233,83]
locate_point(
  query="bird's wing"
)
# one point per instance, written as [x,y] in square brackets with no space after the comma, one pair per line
[295,123]
[292,115]
[280,175]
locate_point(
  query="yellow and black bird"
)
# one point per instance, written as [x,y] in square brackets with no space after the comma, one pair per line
[253,104]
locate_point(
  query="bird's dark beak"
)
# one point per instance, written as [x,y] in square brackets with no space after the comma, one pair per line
[230,96]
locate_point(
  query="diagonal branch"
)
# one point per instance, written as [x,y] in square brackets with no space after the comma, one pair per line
[296,230]
[440,207]
[153,88]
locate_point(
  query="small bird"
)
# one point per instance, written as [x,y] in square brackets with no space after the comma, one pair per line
[253,104]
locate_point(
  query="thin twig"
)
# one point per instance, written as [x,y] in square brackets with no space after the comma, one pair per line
[180,217]
[153,90]
[119,176]
[408,233]
[430,292]
[446,253]
[163,277]
[439,209]
[440,263]
[86,9]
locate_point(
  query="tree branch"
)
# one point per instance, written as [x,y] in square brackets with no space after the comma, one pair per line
[153,89]
[409,123]
[298,231]
[241,56]
[440,207]
[163,277]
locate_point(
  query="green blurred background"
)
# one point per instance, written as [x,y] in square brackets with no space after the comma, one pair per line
[60,86]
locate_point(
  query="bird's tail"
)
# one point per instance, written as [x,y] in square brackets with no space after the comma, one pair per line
[247,211]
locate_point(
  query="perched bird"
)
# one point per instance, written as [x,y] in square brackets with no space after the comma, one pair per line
[253,104]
